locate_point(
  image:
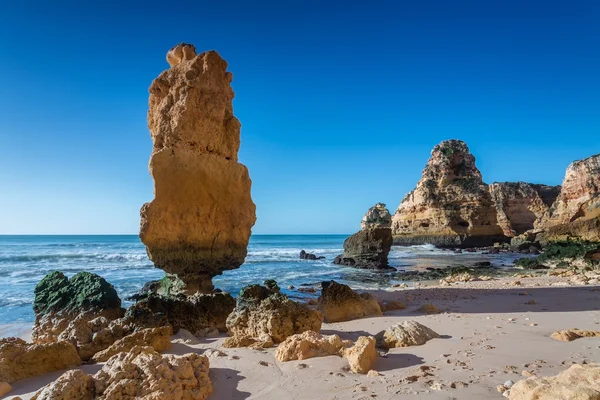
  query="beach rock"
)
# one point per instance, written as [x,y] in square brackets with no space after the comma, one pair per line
[377,217]
[58,301]
[20,360]
[429,309]
[404,334]
[198,224]
[72,385]
[391,305]
[157,338]
[5,388]
[142,373]
[362,355]
[339,303]
[263,316]
[569,335]
[579,382]
[198,313]
[520,204]
[451,205]
[310,344]
[309,256]
[368,248]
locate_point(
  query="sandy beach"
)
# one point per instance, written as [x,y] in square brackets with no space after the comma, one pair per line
[491,333]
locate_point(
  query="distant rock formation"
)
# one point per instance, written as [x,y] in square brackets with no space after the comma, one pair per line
[309,256]
[377,217]
[576,211]
[520,204]
[451,205]
[199,223]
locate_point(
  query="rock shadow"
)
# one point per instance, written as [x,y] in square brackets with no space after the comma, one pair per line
[225,382]
[349,335]
[395,361]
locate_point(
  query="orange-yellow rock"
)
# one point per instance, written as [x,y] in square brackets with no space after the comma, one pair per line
[199,223]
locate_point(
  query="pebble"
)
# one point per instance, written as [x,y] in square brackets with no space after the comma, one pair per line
[508,384]
[263,363]
[234,358]
[301,366]
[501,388]
[372,373]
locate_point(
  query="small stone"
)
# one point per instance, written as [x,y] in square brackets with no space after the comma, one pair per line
[301,366]
[501,388]
[213,353]
[508,384]
[372,373]
[533,324]
[234,358]
[512,319]
[263,363]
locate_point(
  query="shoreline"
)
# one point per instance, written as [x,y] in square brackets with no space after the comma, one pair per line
[491,332]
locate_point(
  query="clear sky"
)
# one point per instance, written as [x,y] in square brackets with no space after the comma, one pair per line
[340,101]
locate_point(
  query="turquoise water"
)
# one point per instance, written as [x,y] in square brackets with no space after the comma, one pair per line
[122,260]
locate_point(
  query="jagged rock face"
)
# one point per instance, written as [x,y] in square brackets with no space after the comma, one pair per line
[577,382]
[58,301]
[520,204]
[340,303]
[377,217]
[576,211]
[72,385]
[157,338]
[263,316]
[368,249]
[451,206]
[199,223]
[20,360]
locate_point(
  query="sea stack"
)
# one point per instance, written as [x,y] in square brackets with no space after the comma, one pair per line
[200,220]
[369,247]
[451,205]
[576,211]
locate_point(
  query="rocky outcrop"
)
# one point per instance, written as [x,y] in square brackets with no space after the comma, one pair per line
[377,217]
[520,204]
[451,205]
[309,256]
[368,249]
[577,382]
[362,355]
[140,373]
[263,316]
[198,224]
[576,211]
[404,334]
[20,360]
[310,344]
[198,313]
[58,301]
[340,303]
[157,338]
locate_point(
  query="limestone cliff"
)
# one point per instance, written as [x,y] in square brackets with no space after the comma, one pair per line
[520,204]
[377,217]
[199,223]
[576,211]
[451,205]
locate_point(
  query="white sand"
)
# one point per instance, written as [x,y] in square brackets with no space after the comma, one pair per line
[481,347]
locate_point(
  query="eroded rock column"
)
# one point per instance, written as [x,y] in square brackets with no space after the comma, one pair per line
[200,220]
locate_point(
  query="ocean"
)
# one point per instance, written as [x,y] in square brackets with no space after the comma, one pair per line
[122,261]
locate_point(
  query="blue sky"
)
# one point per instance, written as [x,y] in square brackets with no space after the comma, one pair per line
[340,102]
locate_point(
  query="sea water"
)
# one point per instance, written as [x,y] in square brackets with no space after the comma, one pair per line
[122,261]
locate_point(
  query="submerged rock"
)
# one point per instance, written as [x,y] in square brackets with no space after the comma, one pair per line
[58,301]
[20,360]
[580,382]
[309,256]
[404,334]
[198,224]
[362,355]
[451,205]
[310,344]
[377,217]
[340,303]
[263,316]
[368,248]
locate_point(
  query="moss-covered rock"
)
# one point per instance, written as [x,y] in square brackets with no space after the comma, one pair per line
[84,291]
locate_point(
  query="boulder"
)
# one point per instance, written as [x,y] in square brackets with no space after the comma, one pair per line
[198,224]
[569,335]
[520,204]
[58,301]
[72,385]
[340,303]
[362,355]
[377,217]
[451,205]
[310,344]
[579,382]
[20,360]
[157,338]
[263,316]
[368,248]
[405,334]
